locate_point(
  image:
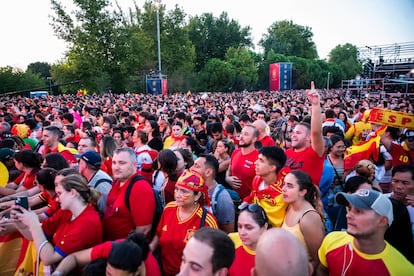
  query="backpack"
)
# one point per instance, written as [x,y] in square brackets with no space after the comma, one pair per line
[158,203]
[102,180]
[233,194]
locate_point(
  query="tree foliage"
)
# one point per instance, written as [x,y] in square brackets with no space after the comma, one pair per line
[41,68]
[109,48]
[212,36]
[289,39]
[346,57]
[13,80]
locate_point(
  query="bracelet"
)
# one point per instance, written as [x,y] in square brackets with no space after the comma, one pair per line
[57,273]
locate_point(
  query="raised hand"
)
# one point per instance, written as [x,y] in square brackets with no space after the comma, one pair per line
[313,95]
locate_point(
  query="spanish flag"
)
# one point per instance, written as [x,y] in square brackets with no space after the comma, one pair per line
[365,150]
[27,263]
[10,248]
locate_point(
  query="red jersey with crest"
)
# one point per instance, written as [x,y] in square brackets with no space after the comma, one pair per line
[174,233]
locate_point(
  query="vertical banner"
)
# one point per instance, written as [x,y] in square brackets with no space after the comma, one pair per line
[285,76]
[164,86]
[154,86]
[274,77]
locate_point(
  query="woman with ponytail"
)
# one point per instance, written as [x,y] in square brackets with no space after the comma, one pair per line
[303,215]
[75,226]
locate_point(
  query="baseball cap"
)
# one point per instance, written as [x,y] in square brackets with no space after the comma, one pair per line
[92,157]
[6,134]
[6,154]
[409,134]
[368,200]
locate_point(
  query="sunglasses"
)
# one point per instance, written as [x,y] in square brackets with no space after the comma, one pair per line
[255,208]
[410,139]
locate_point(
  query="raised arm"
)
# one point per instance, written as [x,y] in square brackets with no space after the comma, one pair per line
[316,120]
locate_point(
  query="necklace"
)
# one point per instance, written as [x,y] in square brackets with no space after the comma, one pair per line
[185,215]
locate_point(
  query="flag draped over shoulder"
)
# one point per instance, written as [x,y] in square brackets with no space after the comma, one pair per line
[10,247]
[26,264]
[365,150]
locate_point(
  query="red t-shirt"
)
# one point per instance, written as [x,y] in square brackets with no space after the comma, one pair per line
[118,221]
[69,236]
[400,155]
[102,251]
[307,160]
[174,234]
[243,167]
[267,141]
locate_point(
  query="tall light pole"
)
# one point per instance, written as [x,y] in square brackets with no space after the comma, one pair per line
[327,83]
[50,84]
[157,7]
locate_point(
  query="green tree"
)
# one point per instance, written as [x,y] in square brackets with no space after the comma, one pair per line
[246,73]
[41,68]
[15,80]
[94,36]
[217,75]
[346,57]
[289,39]
[212,36]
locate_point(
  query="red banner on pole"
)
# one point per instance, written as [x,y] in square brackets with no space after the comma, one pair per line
[164,86]
[274,77]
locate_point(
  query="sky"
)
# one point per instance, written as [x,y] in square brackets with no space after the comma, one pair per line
[27,37]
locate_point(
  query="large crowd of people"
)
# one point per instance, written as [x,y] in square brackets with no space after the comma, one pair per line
[249,183]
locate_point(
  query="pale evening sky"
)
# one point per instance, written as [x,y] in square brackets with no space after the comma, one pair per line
[27,36]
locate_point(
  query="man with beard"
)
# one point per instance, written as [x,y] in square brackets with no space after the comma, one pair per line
[241,170]
[362,250]
[308,147]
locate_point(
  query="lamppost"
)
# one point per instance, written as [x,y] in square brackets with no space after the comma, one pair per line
[327,83]
[157,7]
[50,84]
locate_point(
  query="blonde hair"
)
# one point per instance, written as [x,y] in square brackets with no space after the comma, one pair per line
[78,183]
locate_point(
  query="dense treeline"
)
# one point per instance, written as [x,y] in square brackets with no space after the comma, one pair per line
[113,49]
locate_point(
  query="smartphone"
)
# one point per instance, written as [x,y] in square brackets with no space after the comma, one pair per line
[22,201]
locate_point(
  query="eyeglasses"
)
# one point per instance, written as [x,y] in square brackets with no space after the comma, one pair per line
[254,208]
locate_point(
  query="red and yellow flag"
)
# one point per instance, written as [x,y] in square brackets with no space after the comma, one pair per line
[391,118]
[365,150]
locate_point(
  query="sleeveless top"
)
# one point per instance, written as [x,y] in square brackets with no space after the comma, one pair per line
[297,232]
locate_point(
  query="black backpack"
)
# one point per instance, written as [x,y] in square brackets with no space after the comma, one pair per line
[158,203]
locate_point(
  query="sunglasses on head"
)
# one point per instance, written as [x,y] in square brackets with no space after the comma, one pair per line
[254,208]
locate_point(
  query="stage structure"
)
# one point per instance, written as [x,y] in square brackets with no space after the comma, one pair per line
[390,61]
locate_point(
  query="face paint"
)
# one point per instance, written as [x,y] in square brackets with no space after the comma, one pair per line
[185,197]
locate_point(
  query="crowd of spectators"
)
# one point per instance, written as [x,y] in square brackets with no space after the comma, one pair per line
[96,169]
